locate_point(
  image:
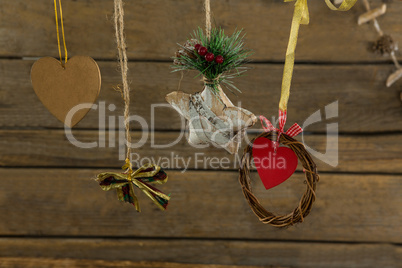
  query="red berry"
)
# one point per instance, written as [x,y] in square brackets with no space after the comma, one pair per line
[197,47]
[219,59]
[209,57]
[202,51]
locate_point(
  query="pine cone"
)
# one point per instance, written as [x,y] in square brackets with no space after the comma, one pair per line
[385,45]
[188,51]
[191,43]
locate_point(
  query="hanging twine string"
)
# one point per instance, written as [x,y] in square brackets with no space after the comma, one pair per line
[62,32]
[208,18]
[147,174]
[207,7]
[208,27]
[121,47]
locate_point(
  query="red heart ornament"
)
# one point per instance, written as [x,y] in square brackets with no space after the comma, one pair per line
[272,168]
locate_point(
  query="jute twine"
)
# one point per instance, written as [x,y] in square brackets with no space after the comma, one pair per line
[308,198]
[211,82]
[121,47]
[208,26]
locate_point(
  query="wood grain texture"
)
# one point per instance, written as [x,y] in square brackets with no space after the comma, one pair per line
[53,214]
[364,103]
[51,148]
[79,263]
[58,202]
[262,254]
[154,27]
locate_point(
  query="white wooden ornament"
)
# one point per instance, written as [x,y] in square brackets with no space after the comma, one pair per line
[212,120]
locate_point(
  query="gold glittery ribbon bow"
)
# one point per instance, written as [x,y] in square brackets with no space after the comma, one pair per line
[300,16]
[142,178]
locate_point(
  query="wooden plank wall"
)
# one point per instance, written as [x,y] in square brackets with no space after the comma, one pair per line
[54,215]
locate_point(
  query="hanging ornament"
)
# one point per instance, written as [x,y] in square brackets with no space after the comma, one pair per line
[148,174]
[276,164]
[212,117]
[61,86]
[384,45]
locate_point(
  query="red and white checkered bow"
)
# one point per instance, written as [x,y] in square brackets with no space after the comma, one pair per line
[294,130]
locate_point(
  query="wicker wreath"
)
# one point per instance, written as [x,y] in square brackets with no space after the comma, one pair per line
[312,177]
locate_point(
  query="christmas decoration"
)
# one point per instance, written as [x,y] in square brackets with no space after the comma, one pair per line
[212,117]
[273,167]
[147,174]
[384,45]
[62,86]
[141,178]
[265,149]
[311,175]
[281,162]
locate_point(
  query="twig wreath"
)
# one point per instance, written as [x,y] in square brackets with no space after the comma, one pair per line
[212,117]
[273,137]
[306,202]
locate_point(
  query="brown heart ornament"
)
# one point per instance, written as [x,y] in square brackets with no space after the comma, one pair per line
[61,89]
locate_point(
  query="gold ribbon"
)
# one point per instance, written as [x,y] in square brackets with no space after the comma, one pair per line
[138,178]
[300,16]
[62,31]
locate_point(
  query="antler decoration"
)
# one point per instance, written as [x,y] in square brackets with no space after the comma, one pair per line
[142,178]
[385,45]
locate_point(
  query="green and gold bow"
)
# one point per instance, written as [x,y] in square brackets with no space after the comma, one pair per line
[142,178]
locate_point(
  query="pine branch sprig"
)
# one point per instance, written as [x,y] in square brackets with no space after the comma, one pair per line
[219,58]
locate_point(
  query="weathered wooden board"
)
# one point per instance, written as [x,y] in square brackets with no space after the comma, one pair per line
[51,148]
[59,217]
[58,202]
[229,252]
[364,103]
[263,254]
[79,263]
[154,27]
